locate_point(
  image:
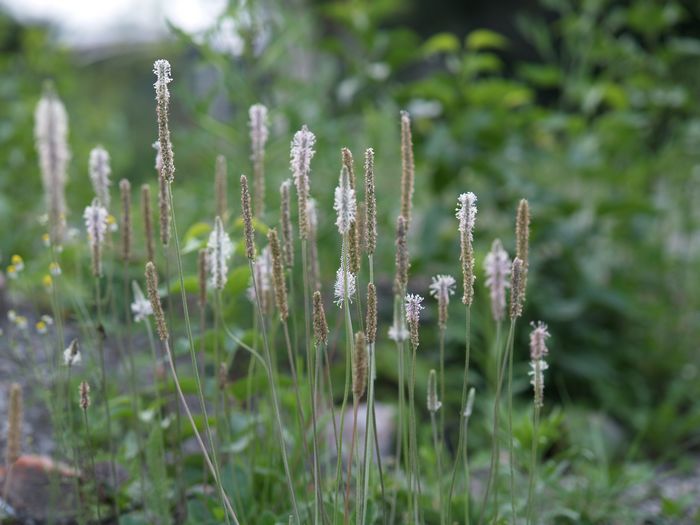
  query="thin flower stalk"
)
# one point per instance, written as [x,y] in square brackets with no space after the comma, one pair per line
[259,134]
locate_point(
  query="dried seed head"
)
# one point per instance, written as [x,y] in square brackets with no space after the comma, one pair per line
[84,390]
[354,247]
[441,288]
[360,225]
[95,217]
[152,291]
[221,187]
[71,355]
[320,324]
[470,403]
[51,138]
[434,403]
[219,251]
[516,289]
[371,199]
[278,275]
[359,367]
[249,233]
[13,447]
[371,313]
[300,161]
[258,138]
[466,214]
[538,340]
[402,264]
[522,236]
[164,211]
[99,170]
[161,68]
[413,308]
[344,203]
[346,157]
[147,222]
[202,274]
[286,224]
[497,267]
[125,190]
[407,167]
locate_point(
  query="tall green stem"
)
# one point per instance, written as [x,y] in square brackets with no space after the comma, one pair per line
[533,463]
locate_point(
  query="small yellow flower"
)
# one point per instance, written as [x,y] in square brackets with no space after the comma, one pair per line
[17,262]
[46,239]
[112,223]
[21,322]
[54,269]
[41,327]
[47,281]
[11,271]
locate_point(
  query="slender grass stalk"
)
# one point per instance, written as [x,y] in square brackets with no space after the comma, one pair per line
[465,457]
[533,464]
[433,405]
[84,405]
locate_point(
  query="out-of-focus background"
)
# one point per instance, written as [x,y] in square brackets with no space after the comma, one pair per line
[590,109]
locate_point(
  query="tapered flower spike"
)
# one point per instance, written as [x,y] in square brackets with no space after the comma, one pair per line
[413,307]
[466,215]
[359,367]
[522,236]
[152,291]
[516,289]
[84,391]
[344,204]
[407,167]
[433,402]
[161,68]
[538,340]
[221,188]
[344,289]
[147,222]
[497,267]
[219,251]
[442,287]
[125,191]
[100,171]
[51,137]
[258,138]
[95,217]
[371,313]
[402,264]
[278,279]
[164,212]
[320,324]
[13,446]
[248,231]
[371,199]
[538,350]
[286,224]
[300,162]
[353,234]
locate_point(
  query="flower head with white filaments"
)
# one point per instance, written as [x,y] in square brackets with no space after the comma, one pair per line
[413,305]
[161,68]
[344,288]
[497,266]
[100,171]
[441,288]
[344,204]
[219,251]
[51,137]
[466,215]
[95,216]
[141,307]
[301,153]
[71,355]
[538,349]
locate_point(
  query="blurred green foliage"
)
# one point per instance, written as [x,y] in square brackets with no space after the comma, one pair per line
[599,130]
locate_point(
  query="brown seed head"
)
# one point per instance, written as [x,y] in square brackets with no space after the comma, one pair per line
[320,324]
[407,167]
[402,264]
[278,279]
[125,190]
[249,233]
[371,313]
[522,236]
[84,390]
[161,69]
[147,222]
[152,291]
[13,448]
[371,199]
[516,289]
[164,211]
[359,367]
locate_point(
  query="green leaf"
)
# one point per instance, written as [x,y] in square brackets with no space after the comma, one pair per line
[441,43]
[485,39]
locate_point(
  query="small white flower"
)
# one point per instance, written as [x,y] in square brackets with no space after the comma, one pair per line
[141,307]
[219,251]
[302,151]
[497,266]
[344,288]
[466,213]
[95,217]
[344,204]
[413,308]
[99,174]
[442,287]
[71,355]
